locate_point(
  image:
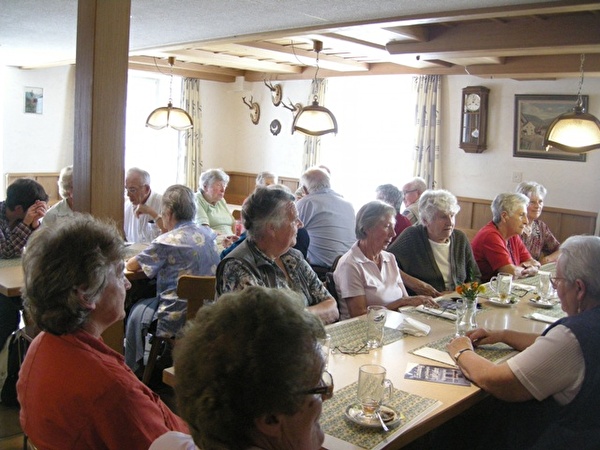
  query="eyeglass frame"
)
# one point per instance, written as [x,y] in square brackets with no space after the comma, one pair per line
[134,190]
[325,388]
[409,191]
[554,281]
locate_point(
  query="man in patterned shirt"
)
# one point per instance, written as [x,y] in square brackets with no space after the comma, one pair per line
[20,216]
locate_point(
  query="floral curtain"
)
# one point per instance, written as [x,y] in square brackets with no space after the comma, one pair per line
[190,142]
[427,157]
[312,144]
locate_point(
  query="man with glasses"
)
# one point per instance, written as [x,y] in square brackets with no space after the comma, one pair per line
[251,374]
[554,382]
[142,221]
[412,192]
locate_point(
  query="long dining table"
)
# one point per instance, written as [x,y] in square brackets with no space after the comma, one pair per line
[421,405]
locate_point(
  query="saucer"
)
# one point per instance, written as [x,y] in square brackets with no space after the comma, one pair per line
[543,303]
[496,301]
[390,416]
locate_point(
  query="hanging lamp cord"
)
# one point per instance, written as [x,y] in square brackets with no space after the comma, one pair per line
[579,99]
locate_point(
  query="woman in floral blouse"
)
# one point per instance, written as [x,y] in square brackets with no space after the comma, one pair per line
[185,248]
[537,236]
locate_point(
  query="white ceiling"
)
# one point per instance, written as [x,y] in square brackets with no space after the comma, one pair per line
[216,33]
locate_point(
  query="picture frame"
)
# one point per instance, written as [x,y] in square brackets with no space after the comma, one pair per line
[34,100]
[533,116]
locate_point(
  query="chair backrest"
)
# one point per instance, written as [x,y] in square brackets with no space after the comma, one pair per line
[195,289]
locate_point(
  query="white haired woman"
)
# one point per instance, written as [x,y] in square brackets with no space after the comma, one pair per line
[64,208]
[537,236]
[434,251]
[367,274]
[497,247]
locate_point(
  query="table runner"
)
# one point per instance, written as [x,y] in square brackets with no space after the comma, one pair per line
[494,353]
[352,334]
[334,422]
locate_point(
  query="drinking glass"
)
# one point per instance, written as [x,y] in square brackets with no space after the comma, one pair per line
[325,346]
[545,289]
[373,389]
[461,320]
[501,284]
[375,325]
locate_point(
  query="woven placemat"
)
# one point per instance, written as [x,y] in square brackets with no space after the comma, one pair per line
[494,353]
[353,334]
[335,423]
[10,262]
[555,311]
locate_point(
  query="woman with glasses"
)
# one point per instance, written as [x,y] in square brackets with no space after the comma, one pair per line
[250,374]
[537,236]
[554,382]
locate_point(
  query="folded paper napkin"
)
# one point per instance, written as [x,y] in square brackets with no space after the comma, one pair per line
[440,312]
[414,327]
[542,317]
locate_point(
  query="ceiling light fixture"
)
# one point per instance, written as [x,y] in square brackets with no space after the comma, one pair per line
[315,120]
[576,131]
[168,116]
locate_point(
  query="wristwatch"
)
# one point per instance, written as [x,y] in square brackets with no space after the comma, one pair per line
[460,352]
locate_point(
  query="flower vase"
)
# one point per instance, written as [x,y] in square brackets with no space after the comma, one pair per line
[466,311]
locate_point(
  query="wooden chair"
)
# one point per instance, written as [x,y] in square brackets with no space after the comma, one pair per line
[195,289]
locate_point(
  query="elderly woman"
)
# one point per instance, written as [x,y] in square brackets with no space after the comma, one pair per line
[393,196]
[64,208]
[185,248]
[266,179]
[211,208]
[434,251]
[261,385]
[537,236]
[367,274]
[555,377]
[75,391]
[266,257]
[497,247]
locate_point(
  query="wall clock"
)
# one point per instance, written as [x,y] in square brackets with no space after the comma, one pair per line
[473,121]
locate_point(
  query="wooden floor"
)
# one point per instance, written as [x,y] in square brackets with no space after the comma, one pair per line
[11,435]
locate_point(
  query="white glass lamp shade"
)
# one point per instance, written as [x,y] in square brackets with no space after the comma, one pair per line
[315,120]
[169,116]
[574,132]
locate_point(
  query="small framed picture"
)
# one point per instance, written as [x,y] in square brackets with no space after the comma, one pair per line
[34,100]
[533,116]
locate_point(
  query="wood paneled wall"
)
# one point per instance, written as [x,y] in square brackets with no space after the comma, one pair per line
[242,184]
[48,180]
[475,213]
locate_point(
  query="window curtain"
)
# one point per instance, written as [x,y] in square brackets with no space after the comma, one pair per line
[427,157]
[190,151]
[312,144]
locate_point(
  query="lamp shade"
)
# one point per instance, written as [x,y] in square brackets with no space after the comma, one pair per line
[168,116]
[574,132]
[315,120]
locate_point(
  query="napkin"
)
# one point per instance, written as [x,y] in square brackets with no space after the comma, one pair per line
[435,354]
[414,327]
[542,317]
[436,312]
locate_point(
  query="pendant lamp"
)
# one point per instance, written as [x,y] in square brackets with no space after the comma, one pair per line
[315,120]
[168,116]
[575,131]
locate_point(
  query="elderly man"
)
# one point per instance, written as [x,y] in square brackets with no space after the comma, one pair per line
[553,382]
[142,221]
[412,193]
[20,216]
[497,247]
[328,218]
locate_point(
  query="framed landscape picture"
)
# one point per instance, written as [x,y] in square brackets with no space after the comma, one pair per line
[533,116]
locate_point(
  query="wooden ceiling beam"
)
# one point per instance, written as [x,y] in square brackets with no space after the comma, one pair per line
[519,37]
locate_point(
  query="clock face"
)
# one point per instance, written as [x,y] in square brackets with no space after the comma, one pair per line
[473,102]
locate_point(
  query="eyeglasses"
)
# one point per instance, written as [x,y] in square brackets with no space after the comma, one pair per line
[408,192]
[360,350]
[554,281]
[132,190]
[324,389]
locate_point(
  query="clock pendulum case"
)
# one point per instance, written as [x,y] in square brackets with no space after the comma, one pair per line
[473,122]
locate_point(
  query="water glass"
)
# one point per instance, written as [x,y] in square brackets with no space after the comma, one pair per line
[501,284]
[375,325]
[545,288]
[462,325]
[373,389]
[325,346]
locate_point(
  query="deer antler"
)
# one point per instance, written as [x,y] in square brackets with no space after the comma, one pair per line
[249,104]
[270,85]
[293,108]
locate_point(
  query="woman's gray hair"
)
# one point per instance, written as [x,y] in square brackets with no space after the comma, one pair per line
[67,266]
[266,205]
[212,176]
[580,259]
[249,355]
[434,201]
[391,195]
[262,177]
[508,202]
[369,215]
[65,181]
[179,200]
[529,188]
